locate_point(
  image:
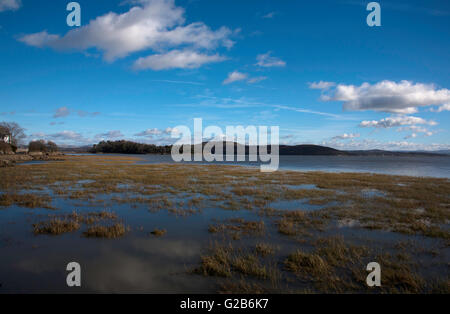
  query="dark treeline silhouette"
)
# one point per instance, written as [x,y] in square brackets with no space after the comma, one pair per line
[127,147]
[42,146]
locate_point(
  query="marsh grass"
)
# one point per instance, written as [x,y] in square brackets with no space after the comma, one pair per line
[401,205]
[158,232]
[308,265]
[238,227]
[116,230]
[25,200]
[56,227]
[264,249]
[225,260]
[395,208]
[60,224]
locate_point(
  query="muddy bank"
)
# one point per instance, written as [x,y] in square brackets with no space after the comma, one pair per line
[10,160]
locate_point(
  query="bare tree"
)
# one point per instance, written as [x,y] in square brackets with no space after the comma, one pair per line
[16,131]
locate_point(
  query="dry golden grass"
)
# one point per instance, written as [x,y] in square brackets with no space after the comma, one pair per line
[56,226]
[225,260]
[60,224]
[25,200]
[264,249]
[238,227]
[116,230]
[307,264]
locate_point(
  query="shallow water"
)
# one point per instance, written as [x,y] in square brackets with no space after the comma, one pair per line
[420,166]
[140,262]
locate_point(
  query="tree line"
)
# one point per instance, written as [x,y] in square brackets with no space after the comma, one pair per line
[128,147]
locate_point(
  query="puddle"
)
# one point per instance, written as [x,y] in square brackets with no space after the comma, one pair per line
[301,187]
[292,205]
[370,193]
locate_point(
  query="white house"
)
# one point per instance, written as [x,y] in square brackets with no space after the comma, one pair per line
[5,136]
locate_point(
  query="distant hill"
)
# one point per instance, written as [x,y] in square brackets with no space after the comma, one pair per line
[313,150]
[442,152]
[127,147]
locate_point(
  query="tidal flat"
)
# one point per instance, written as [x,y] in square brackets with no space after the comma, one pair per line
[168,228]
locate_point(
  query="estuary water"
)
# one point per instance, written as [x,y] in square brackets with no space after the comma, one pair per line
[419,166]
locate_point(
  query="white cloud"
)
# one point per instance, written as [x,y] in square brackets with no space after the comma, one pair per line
[392,145]
[269,15]
[257,79]
[13,5]
[302,110]
[61,112]
[265,60]
[234,77]
[388,96]
[186,59]
[83,113]
[157,25]
[149,132]
[321,85]
[345,136]
[404,123]
[110,134]
[173,131]
[65,111]
[66,135]
[416,130]
[396,121]
[40,39]
[38,135]
[444,107]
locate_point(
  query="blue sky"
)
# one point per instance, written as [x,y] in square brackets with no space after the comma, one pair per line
[135,69]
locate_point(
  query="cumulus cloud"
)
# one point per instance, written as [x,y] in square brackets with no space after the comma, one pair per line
[391,145]
[10,5]
[173,131]
[346,136]
[403,123]
[388,96]
[416,130]
[186,59]
[396,121]
[156,25]
[61,112]
[267,61]
[234,77]
[444,107]
[38,39]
